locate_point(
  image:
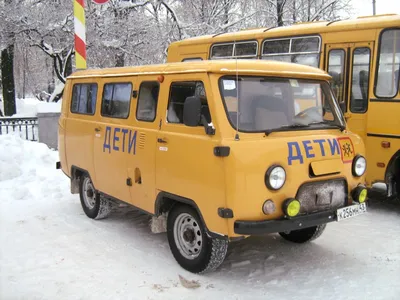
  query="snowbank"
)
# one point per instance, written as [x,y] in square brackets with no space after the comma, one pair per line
[30,163]
[29,107]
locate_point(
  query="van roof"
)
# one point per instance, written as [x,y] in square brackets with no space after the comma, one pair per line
[229,66]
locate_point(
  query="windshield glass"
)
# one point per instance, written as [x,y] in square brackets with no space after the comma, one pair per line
[278,103]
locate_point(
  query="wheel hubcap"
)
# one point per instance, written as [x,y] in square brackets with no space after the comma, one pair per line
[188,236]
[89,195]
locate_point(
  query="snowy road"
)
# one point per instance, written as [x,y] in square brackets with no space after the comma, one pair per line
[50,250]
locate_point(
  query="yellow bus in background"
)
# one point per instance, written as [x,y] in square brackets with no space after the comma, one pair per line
[363,57]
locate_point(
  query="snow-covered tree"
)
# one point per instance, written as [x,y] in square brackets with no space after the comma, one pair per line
[39,34]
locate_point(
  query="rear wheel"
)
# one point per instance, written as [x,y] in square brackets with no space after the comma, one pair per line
[192,248]
[94,206]
[303,235]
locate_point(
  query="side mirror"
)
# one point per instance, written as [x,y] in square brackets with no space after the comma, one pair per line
[192,111]
[342,106]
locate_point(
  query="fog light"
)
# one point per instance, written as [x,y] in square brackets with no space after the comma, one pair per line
[360,194]
[268,207]
[291,207]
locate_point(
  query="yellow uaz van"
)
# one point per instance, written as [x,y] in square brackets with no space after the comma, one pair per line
[222,149]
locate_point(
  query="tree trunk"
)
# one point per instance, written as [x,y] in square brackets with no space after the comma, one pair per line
[120,60]
[7,75]
[294,11]
[279,11]
[68,64]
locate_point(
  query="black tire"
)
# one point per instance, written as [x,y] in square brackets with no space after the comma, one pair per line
[99,207]
[210,252]
[397,185]
[304,235]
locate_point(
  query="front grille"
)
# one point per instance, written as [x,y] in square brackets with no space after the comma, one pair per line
[322,195]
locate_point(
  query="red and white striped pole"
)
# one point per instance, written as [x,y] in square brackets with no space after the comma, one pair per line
[80,32]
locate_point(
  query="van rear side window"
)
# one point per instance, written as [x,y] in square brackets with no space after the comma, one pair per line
[84,98]
[147,103]
[116,100]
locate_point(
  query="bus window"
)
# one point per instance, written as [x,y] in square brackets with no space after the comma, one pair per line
[388,64]
[192,59]
[222,51]
[231,50]
[360,80]
[336,70]
[246,49]
[300,50]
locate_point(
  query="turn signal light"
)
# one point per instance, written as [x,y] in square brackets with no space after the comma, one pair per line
[268,207]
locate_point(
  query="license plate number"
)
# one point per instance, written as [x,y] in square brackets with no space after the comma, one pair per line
[351,211]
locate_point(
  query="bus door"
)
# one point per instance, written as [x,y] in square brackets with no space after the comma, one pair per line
[349,65]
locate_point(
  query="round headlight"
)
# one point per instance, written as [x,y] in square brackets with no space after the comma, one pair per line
[275,177]
[359,166]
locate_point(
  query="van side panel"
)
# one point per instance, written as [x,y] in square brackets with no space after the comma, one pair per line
[114,143]
[79,135]
[141,166]
[185,162]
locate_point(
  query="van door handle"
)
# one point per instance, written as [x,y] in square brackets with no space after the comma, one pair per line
[97,129]
[161,141]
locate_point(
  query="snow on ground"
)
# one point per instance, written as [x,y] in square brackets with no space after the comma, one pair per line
[29,107]
[50,250]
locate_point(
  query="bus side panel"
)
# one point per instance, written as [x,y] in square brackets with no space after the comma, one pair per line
[383,122]
[376,154]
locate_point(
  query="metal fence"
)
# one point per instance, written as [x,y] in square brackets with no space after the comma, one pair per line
[26,127]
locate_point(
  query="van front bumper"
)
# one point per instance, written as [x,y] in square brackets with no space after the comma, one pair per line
[281,225]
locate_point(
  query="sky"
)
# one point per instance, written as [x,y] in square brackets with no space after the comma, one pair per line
[364,7]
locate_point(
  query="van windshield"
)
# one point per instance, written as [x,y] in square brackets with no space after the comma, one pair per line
[276,104]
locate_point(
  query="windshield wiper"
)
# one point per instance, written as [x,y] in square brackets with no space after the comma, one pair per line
[285,127]
[341,127]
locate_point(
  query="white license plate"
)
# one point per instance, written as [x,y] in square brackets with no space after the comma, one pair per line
[351,211]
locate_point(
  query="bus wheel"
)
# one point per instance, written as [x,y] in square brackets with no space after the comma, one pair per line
[94,206]
[192,248]
[303,235]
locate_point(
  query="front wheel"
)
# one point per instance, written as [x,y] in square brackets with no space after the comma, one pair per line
[94,205]
[304,235]
[192,248]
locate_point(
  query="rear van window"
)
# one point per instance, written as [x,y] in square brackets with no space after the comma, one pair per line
[116,100]
[84,98]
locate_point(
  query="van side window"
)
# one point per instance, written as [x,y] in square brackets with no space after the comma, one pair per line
[178,93]
[84,98]
[116,100]
[147,103]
